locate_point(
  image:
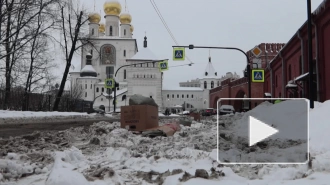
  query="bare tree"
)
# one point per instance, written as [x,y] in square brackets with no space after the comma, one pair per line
[72,22]
[18,18]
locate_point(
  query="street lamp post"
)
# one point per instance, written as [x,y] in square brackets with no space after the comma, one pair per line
[310,55]
[248,67]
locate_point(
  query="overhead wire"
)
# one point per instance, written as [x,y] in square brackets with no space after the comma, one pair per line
[167,28]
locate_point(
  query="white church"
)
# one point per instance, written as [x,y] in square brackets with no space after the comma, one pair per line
[112,46]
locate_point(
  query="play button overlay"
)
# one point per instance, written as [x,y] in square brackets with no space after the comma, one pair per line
[275,131]
[259,131]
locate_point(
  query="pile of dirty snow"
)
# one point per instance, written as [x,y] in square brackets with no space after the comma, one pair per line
[104,154]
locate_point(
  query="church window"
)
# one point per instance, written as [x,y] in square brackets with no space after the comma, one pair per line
[168,96]
[177,96]
[182,96]
[91,86]
[172,95]
[205,85]
[124,53]
[101,99]
[108,54]
[276,80]
[110,30]
[218,83]
[124,31]
[150,76]
[290,72]
[144,76]
[141,65]
[137,76]
[187,95]
[93,31]
[102,89]
[153,64]
[85,86]
[85,94]
[97,89]
[212,85]
[124,73]
[192,96]
[147,65]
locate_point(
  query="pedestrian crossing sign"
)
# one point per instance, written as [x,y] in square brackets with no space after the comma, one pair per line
[109,83]
[178,54]
[163,66]
[258,75]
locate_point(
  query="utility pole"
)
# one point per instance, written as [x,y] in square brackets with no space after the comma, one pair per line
[310,55]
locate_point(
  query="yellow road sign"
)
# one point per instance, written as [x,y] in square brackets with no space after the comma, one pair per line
[256,51]
[163,66]
[178,54]
[258,75]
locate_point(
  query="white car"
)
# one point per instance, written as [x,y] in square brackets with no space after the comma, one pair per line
[226,109]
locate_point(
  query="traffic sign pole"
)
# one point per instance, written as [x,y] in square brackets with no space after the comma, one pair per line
[248,67]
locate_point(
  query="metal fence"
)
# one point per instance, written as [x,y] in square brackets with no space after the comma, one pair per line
[42,102]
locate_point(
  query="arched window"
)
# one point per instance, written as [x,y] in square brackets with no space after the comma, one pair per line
[85,86]
[85,94]
[144,76]
[192,96]
[168,96]
[124,53]
[289,75]
[276,80]
[177,96]
[150,76]
[212,85]
[182,96]
[97,89]
[102,89]
[124,73]
[91,86]
[124,31]
[172,95]
[93,31]
[187,95]
[205,85]
[110,30]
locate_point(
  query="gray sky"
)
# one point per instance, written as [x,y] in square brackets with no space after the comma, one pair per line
[233,23]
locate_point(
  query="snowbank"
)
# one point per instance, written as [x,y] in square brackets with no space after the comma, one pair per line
[29,114]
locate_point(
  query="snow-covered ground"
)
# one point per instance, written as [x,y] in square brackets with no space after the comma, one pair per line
[105,154]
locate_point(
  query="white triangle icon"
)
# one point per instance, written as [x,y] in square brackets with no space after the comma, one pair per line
[178,54]
[259,131]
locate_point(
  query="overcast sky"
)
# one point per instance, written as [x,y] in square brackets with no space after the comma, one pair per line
[233,23]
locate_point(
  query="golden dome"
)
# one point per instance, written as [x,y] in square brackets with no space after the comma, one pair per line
[94,18]
[102,28]
[125,18]
[112,7]
[132,28]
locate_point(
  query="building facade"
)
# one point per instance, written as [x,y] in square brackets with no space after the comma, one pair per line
[110,47]
[287,74]
[195,94]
